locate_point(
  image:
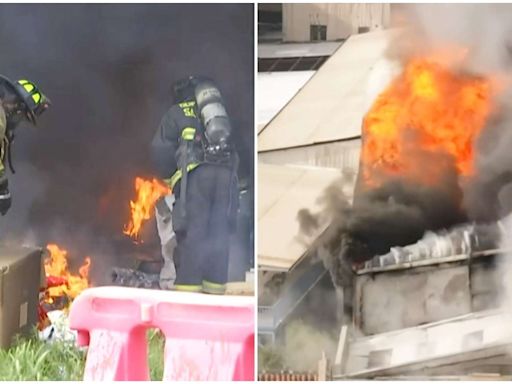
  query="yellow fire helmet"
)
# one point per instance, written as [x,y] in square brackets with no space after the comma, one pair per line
[34,100]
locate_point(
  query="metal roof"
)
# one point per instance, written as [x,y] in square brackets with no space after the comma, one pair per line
[282,192]
[275,89]
[333,102]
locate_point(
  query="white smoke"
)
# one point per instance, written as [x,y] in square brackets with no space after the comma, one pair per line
[484,29]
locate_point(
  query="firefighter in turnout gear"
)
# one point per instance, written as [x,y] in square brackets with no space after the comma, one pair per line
[194,155]
[19,101]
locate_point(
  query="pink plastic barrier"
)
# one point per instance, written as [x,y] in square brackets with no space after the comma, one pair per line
[208,337]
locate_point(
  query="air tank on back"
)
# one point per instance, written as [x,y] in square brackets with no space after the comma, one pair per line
[213,115]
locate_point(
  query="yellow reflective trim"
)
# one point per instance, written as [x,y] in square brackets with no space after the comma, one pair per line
[187,104]
[188,287]
[188,133]
[168,182]
[188,108]
[28,87]
[189,112]
[177,175]
[36,97]
[22,81]
[211,287]
[175,178]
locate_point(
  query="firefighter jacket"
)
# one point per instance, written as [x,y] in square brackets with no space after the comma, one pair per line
[178,142]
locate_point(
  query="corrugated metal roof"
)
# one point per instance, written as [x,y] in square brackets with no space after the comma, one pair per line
[282,192]
[329,107]
[332,104]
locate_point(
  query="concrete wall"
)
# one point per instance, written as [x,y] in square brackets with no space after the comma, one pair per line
[476,343]
[398,299]
[342,20]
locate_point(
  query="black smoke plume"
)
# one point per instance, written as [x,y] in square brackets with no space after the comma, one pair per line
[108,69]
[400,211]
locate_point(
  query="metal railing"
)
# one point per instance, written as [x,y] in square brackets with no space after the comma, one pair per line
[271,317]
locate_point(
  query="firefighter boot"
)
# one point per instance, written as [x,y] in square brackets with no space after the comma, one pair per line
[213,288]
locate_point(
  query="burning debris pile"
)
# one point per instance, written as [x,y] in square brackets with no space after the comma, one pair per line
[62,286]
[433,159]
[134,278]
[60,281]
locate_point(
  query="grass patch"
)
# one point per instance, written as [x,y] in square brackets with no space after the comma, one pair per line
[156,342]
[30,359]
[35,360]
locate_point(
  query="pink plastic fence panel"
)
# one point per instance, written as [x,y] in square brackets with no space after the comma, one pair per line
[112,356]
[115,330]
[207,337]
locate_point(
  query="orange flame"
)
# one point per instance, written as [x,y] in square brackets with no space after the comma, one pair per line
[427,109]
[56,266]
[148,192]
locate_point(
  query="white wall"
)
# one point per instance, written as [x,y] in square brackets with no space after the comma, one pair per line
[342,20]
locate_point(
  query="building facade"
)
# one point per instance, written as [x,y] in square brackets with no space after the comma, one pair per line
[331,22]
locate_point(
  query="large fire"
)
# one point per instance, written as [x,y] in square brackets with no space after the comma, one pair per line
[60,280]
[142,208]
[428,109]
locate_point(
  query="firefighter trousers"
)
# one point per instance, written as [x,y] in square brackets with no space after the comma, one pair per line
[202,253]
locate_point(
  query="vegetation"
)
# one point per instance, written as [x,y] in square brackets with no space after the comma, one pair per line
[30,359]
